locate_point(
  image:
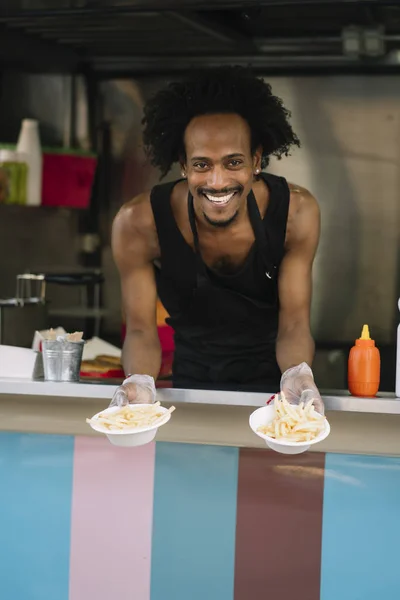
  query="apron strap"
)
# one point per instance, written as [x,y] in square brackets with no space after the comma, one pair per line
[201,271]
[262,239]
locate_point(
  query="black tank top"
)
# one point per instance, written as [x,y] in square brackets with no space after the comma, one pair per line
[225,325]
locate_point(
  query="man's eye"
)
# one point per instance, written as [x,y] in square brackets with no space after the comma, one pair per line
[200,165]
[235,163]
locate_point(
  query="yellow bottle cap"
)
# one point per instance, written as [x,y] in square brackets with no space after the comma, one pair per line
[365,333]
[365,340]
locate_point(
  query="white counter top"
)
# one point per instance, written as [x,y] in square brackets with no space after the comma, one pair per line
[27,387]
[335,400]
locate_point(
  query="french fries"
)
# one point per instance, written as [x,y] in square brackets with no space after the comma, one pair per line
[294,423]
[130,417]
[51,336]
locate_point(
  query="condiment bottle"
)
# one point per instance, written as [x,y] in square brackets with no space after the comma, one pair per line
[364,366]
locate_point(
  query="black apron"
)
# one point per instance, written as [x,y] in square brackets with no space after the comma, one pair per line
[223,338]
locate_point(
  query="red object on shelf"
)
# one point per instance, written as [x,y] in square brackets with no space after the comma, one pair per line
[111,374]
[67,180]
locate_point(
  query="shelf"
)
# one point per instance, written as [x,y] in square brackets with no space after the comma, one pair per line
[127,37]
[79,312]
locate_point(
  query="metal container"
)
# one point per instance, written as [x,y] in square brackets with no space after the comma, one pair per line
[21,316]
[62,360]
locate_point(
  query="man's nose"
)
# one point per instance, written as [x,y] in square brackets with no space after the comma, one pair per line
[217,178]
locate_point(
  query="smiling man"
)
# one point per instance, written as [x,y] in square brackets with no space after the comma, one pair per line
[228,248]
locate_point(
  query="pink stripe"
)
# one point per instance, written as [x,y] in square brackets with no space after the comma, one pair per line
[111,528]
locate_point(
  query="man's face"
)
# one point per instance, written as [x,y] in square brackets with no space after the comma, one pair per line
[219,166]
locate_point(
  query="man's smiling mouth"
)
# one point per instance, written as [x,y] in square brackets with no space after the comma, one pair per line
[220,200]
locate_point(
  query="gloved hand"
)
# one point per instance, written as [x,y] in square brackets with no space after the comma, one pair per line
[297,383]
[136,389]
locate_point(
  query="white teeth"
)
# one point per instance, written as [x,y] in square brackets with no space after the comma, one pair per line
[219,199]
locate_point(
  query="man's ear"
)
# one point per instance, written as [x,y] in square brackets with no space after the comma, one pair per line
[182,164]
[257,157]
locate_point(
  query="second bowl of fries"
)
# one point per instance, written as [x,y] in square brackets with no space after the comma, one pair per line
[131,425]
[289,428]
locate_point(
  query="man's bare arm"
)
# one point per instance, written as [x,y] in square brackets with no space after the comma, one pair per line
[295,343]
[134,248]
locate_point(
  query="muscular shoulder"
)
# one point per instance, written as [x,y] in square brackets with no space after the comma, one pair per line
[304,216]
[134,234]
[302,201]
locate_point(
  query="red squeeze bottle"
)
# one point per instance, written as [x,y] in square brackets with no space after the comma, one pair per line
[364,367]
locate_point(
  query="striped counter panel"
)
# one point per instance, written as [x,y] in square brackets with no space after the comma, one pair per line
[81,519]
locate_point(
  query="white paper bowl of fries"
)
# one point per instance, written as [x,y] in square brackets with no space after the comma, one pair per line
[131,425]
[288,428]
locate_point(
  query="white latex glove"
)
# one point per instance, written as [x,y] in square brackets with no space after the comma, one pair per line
[297,383]
[136,389]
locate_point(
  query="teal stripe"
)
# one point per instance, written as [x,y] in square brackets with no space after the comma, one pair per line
[361,528]
[35,508]
[194,522]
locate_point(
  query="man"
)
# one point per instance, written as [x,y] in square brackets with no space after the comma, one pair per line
[228,249]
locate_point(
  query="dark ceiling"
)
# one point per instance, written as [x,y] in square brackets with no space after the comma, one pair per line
[153,36]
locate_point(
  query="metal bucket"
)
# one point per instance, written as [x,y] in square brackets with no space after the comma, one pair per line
[62,360]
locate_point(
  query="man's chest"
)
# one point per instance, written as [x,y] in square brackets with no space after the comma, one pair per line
[224,254]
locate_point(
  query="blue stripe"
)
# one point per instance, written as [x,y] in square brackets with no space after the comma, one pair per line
[194,524]
[35,509]
[361,528]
